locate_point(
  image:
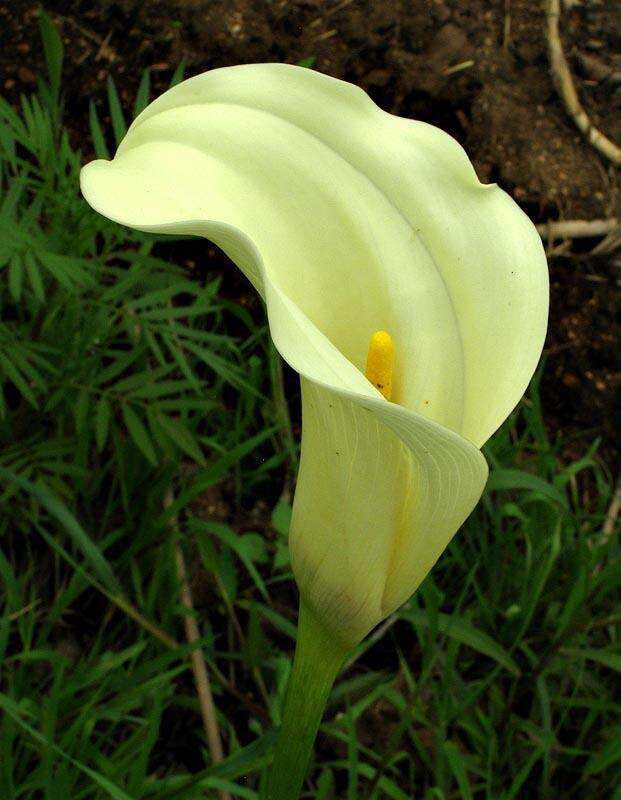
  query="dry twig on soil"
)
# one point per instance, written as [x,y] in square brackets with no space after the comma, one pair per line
[612,514]
[577,228]
[199,668]
[565,86]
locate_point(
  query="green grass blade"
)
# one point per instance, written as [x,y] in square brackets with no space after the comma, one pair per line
[53,50]
[510,479]
[458,768]
[60,512]
[603,657]
[97,134]
[142,96]
[178,75]
[12,709]
[463,632]
[119,126]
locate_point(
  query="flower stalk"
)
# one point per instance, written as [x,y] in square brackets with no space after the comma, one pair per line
[318,660]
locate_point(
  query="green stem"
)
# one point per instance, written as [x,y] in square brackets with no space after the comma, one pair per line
[318,660]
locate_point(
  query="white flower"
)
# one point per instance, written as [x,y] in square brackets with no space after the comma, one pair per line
[349,220]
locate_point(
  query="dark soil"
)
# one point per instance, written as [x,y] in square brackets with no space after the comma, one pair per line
[478,69]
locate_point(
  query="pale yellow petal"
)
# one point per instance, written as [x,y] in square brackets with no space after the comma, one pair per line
[348,221]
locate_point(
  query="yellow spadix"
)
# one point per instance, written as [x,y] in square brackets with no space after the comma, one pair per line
[380,362]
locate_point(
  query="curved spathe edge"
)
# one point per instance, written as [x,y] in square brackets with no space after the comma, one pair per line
[453,467]
[253,85]
[244,253]
[190,91]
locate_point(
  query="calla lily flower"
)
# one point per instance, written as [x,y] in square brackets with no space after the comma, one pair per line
[349,221]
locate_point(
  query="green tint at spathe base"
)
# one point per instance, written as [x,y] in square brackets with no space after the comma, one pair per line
[348,220]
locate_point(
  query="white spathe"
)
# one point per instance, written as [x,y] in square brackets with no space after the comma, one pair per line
[349,220]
